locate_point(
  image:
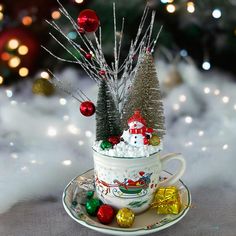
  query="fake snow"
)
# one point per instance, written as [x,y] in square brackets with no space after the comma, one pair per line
[123,149]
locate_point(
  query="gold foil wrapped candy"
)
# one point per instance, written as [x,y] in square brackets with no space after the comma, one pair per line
[125,217]
[167,200]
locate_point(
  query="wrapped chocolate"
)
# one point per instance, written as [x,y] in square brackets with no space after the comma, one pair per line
[167,200]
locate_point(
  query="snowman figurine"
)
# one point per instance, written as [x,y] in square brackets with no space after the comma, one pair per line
[138,134]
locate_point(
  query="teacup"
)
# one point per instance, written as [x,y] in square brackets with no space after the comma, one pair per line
[132,182]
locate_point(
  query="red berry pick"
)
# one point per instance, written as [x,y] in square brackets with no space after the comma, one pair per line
[88,56]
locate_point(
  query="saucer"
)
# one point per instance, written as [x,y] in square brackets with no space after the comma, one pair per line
[145,223]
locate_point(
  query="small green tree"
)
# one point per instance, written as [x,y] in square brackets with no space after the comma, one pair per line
[108,121]
[145,96]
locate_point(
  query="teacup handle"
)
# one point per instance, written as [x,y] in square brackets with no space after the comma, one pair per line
[174,178]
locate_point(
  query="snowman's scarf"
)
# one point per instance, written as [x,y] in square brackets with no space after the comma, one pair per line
[142,131]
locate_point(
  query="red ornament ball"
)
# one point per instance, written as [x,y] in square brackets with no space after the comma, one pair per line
[88,56]
[87,108]
[102,72]
[105,214]
[114,140]
[88,20]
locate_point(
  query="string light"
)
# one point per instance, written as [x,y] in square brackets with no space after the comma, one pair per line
[234,106]
[88,134]
[24,168]
[72,35]
[14,155]
[23,50]
[44,75]
[66,118]
[62,101]
[176,106]
[13,102]
[79,1]
[182,98]
[33,162]
[9,93]
[190,7]
[67,162]
[73,129]
[81,143]
[27,20]
[13,44]
[171,8]
[189,144]
[217,92]
[1,7]
[167,1]
[207,90]
[225,147]
[201,133]
[216,13]
[183,53]
[225,99]
[188,119]
[11,144]
[56,15]
[203,149]
[52,132]
[14,62]
[1,79]
[206,65]
[23,72]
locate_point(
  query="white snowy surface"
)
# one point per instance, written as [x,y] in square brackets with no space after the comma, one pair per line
[44,142]
[124,150]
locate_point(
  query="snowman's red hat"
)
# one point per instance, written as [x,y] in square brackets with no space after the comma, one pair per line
[137,117]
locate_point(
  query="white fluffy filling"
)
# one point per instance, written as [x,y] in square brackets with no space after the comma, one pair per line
[125,150]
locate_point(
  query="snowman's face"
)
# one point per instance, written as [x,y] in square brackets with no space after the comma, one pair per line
[135,125]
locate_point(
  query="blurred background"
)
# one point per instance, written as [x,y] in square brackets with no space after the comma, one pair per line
[202,30]
[42,132]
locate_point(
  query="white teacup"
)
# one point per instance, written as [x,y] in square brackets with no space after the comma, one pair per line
[132,182]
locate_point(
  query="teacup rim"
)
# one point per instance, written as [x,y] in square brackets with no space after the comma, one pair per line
[125,158]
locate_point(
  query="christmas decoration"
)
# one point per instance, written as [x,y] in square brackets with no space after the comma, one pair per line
[87,108]
[125,217]
[83,191]
[167,200]
[107,115]
[92,206]
[90,194]
[154,140]
[145,96]
[88,56]
[114,140]
[105,145]
[43,87]
[88,20]
[105,214]
[102,72]
[138,134]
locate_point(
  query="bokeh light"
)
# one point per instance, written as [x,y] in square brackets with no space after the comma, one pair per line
[23,72]
[13,44]
[171,8]
[14,62]
[23,50]
[27,20]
